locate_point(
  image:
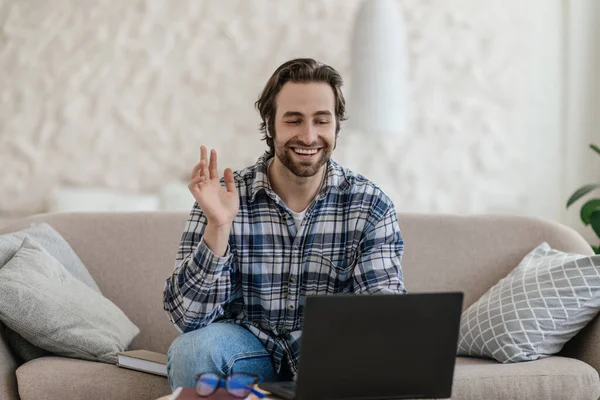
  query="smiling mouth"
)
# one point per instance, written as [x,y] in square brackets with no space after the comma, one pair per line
[305,152]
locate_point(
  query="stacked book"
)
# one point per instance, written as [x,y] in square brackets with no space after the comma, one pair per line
[143,360]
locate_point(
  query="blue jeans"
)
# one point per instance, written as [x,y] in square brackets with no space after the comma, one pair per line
[221,348]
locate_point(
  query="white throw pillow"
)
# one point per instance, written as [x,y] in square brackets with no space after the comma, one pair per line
[48,238]
[44,235]
[50,308]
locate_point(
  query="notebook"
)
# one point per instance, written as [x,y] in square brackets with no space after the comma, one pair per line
[143,360]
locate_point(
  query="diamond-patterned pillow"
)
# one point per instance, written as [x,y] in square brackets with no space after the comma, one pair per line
[537,308]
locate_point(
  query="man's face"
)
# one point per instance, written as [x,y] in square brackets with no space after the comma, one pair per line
[304,134]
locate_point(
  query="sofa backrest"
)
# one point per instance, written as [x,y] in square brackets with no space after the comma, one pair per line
[472,253]
[131,254]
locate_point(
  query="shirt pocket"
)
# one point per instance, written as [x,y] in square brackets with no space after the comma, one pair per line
[324,274]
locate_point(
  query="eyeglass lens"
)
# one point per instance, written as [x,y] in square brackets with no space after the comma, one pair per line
[207,383]
[240,385]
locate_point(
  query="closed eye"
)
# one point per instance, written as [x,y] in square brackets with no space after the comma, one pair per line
[294,122]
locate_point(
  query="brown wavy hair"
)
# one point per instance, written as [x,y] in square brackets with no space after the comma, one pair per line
[299,70]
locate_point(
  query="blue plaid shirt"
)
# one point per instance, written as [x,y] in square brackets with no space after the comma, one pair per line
[348,242]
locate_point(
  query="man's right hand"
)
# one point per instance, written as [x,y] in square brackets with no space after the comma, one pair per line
[220,206]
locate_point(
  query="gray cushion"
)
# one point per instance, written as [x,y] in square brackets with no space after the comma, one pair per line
[474,379]
[548,378]
[532,312]
[53,243]
[57,312]
[56,246]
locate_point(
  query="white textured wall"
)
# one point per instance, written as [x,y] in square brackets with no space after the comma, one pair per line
[121,95]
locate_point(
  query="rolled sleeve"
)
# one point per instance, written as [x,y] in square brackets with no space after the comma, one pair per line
[208,263]
[201,282]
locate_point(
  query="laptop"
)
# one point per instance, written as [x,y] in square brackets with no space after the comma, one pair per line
[376,347]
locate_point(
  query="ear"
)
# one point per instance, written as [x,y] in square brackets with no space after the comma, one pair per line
[267,128]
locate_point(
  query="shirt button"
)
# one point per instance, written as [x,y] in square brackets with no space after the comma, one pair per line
[296,246]
[292,279]
[291,307]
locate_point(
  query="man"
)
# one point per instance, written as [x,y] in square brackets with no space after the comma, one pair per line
[295,224]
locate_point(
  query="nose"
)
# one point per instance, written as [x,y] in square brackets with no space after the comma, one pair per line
[308,134]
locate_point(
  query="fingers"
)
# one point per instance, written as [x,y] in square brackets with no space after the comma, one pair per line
[207,168]
[229,182]
[212,167]
[204,169]
[195,183]
[203,153]
[197,180]
[196,170]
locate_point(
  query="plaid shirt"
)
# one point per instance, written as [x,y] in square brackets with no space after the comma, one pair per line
[348,242]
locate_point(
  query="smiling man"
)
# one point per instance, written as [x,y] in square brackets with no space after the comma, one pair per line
[260,240]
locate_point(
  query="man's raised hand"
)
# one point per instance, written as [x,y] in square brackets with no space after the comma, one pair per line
[218,204]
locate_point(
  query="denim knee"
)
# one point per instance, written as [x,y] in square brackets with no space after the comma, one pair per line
[215,348]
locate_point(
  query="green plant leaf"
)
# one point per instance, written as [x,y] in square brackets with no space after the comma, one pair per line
[595,222]
[595,148]
[582,191]
[588,209]
[596,249]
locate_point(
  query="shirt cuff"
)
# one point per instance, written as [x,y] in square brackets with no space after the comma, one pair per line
[209,261]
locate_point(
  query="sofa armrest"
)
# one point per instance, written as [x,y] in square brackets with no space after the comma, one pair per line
[586,345]
[8,367]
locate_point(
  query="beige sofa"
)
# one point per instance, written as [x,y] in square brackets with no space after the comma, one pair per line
[131,254]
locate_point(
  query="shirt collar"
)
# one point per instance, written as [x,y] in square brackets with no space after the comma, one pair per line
[335,179]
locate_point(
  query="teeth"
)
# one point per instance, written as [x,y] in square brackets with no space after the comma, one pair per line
[305,151]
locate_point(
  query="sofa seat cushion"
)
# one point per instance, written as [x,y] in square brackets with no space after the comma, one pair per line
[66,378]
[549,378]
[474,378]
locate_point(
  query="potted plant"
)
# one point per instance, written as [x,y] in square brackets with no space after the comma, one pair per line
[590,211]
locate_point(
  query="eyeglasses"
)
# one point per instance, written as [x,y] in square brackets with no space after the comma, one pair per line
[238,384]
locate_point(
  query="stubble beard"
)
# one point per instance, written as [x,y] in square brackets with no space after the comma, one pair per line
[299,168]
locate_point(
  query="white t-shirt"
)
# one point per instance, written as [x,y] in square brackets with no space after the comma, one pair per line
[298,217]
